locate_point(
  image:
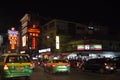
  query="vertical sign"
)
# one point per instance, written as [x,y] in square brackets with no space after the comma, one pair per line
[87,47]
[13,36]
[57,42]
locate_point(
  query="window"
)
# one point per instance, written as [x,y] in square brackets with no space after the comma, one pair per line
[59,61]
[80,28]
[52,24]
[71,28]
[2,59]
[17,59]
[45,27]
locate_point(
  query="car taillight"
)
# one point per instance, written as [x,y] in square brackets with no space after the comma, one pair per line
[45,64]
[105,64]
[68,64]
[53,65]
[31,64]
[5,67]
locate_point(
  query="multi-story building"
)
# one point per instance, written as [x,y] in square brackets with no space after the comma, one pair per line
[65,36]
[29,34]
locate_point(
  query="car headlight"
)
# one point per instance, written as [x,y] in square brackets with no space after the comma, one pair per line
[107,67]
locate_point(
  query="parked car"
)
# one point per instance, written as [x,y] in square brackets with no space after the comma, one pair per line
[15,65]
[117,61]
[99,64]
[58,65]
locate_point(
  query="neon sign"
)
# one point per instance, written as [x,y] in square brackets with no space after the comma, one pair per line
[12,37]
[90,47]
[34,33]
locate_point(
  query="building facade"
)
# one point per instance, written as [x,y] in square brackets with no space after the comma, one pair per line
[29,34]
[72,34]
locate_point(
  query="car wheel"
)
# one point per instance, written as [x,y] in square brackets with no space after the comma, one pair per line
[83,68]
[3,78]
[27,78]
[68,72]
[102,70]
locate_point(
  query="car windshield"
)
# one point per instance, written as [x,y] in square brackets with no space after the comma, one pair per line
[17,59]
[116,59]
[59,61]
[108,60]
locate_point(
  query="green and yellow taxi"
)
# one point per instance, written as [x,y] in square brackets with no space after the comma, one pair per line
[15,65]
[57,65]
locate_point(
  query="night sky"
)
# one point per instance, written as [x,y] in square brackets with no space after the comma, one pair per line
[101,12]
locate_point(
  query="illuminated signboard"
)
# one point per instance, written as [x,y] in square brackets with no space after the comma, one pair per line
[13,35]
[96,47]
[24,40]
[45,50]
[80,47]
[57,42]
[87,47]
[90,47]
[34,32]
[31,30]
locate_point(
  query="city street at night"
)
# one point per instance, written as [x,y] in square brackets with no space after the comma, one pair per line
[59,40]
[75,74]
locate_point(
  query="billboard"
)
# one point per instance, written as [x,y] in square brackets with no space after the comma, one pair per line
[24,41]
[13,37]
[89,47]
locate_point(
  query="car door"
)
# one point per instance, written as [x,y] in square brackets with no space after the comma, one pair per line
[88,64]
[117,61]
[96,64]
[92,64]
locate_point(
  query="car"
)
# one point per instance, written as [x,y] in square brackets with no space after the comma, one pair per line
[15,65]
[57,65]
[99,64]
[117,61]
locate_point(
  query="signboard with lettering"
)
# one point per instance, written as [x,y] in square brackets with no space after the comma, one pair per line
[90,47]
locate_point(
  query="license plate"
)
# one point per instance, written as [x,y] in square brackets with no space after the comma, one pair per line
[111,68]
[62,66]
[19,67]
